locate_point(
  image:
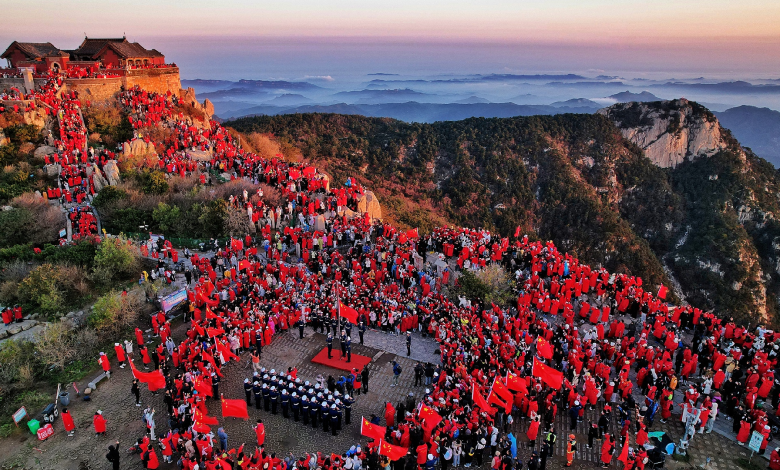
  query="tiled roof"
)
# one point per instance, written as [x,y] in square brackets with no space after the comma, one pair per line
[92,46]
[129,50]
[35,50]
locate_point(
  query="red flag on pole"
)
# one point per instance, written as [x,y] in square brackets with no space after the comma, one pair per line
[550,376]
[516,383]
[234,408]
[412,233]
[624,452]
[348,312]
[391,451]
[494,399]
[502,391]
[154,380]
[374,431]
[476,397]
[662,292]
[431,417]
[544,349]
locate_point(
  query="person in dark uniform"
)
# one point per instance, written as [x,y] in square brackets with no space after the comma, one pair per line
[364,379]
[348,401]
[334,325]
[295,405]
[215,384]
[274,400]
[301,325]
[325,416]
[329,342]
[343,344]
[248,392]
[314,411]
[349,349]
[285,398]
[361,331]
[348,327]
[327,325]
[408,343]
[305,409]
[257,390]
[259,342]
[266,398]
[334,420]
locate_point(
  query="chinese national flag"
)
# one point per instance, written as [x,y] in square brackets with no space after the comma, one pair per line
[502,391]
[543,349]
[201,418]
[431,417]
[476,397]
[155,380]
[662,292]
[624,452]
[374,431]
[234,408]
[243,264]
[348,312]
[516,383]
[494,399]
[202,428]
[550,376]
[412,233]
[390,451]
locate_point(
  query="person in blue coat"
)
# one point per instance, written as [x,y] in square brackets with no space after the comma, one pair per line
[513,445]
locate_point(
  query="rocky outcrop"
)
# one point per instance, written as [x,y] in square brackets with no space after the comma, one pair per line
[97,178]
[112,172]
[200,155]
[370,204]
[138,148]
[669,131]
[44,150]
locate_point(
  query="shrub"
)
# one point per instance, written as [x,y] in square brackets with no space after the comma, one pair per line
[51,288]
[55,345]
[166,217]
[47,220]
[472,287]
[15,223]
[115,259]
[14,356]
[22,133]
[153,182]
[108,195]
[113,313]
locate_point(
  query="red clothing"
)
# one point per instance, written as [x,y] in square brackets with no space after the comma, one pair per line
[99,422]
[67,421]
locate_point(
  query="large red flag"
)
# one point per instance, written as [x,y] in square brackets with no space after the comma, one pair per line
[348,312]
[205,419]
[494,399]
[391,451]
[431,417]
[412,233]
[544,349]
[374,431]
[662,292]
[155,380]
[624,451]
[502,391]
[516,383]
[234,408]
[550,376]
[476,397]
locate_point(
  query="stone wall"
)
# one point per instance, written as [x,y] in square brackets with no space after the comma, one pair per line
[104,89]
[156,80]
[95,89]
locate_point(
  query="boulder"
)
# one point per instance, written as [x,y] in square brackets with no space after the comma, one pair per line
[138,148]
[52,170]
[44,150]
[319,223]
[112,172]
[200,155]
[99,181]
[208,106]
[370,204]
[14,330]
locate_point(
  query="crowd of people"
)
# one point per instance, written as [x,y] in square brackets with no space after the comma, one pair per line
[577,337]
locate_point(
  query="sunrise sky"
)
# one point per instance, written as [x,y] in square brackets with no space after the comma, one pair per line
[720,37]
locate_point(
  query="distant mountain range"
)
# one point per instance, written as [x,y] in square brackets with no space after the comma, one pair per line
[757,128]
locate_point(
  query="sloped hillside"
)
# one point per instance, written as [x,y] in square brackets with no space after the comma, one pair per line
[707,224]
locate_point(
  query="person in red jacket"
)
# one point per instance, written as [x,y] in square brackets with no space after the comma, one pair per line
[533,432]
[774,459]
[99,423]
[103,360]
[67,421]
[120,355]
[607,449]
[259,432]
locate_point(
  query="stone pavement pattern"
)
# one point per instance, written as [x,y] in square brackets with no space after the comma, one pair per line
[86,451]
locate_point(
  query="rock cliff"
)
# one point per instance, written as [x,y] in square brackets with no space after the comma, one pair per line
[669,131]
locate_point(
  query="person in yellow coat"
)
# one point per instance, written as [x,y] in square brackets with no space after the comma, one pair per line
[571,448]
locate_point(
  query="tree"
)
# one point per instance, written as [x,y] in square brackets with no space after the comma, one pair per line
[212,219]
[166,217]
[113,313]
[153,182]
[43,287]
[55,346]
[115,259]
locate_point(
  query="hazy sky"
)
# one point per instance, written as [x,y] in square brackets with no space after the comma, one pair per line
[337,36]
